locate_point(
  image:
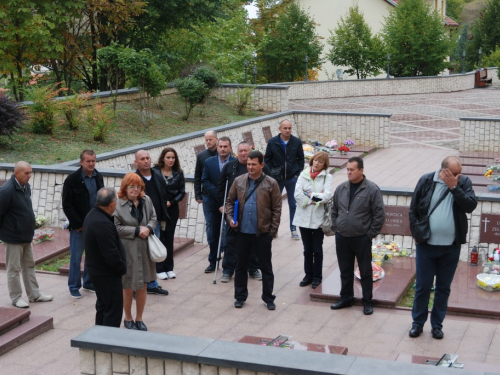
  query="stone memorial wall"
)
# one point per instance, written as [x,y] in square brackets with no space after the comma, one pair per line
[479,134]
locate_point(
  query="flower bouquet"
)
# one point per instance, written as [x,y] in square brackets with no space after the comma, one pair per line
[332,144]
[385,251]
[377,272]
[43,235]
[40,221]
[343,149]
[65,225]
[491,264]
[349,142]
[308,151]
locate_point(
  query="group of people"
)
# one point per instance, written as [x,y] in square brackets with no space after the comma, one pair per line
[242,199]
[117,259]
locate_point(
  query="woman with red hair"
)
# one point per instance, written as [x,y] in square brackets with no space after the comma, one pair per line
[135,218]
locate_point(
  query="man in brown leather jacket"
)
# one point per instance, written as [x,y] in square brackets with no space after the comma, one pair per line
[258,219]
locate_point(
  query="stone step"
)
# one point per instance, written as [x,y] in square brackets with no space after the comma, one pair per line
[477,162]
[20,334]
[364,149]
[469,170]
[348,155]
[479,154]
[11,318]
[482,181]
[180,244]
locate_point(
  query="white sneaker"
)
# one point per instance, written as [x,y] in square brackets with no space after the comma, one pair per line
[295,236]
[21,304]
[162,275]
[43,298]
[171,274]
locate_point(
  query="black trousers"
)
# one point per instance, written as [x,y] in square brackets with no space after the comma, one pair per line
[229,261]
[349,248]
[109,304]
[215,223]
[312,239]
[245,244]
[167,238]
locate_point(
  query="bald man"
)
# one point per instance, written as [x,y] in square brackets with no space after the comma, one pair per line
[445,197]
[17,227]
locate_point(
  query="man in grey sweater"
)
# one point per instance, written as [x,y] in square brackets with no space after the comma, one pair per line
[357,217]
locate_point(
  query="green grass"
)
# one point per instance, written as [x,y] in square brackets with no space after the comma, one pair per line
[54,265]
[409,295]
[66,144]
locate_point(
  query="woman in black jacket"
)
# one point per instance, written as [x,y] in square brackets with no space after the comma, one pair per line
[169,166]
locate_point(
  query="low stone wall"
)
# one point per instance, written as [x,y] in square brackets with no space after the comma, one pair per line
[105,350]
[479,134]
[272,98]
[375,86]
[364,129]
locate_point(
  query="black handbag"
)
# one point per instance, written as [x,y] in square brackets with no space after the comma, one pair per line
[422,228]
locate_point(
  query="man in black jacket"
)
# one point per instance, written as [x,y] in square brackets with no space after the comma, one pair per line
[229,172]
[78,197]
[285,158]
[17,227]
[201,194]
[105,259]
[450,197]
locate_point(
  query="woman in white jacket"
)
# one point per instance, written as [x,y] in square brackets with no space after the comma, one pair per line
[314,188]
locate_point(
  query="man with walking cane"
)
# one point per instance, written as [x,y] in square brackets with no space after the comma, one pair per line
[257,220]
[209,179]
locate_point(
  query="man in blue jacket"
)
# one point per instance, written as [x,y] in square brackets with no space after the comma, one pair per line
[211,172]
[285,158]
[17,227]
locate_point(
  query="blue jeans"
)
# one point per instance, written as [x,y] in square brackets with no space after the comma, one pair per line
[208,215]
[76,248]
[154,283]
[290,191]
[439,261]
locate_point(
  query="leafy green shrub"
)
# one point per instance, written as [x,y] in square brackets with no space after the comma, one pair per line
[208,76]
[100,121]
[192,90]
[43,111]
[242,99]
[72,109]
[11,118]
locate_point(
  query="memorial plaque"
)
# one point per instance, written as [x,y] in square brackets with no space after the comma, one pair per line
[397,221]
[198,149]
[247,137]
[489,229]
[268,134]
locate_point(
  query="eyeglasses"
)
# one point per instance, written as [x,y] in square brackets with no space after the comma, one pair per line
[134,187]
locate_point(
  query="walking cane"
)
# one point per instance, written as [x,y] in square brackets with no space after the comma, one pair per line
[220,234]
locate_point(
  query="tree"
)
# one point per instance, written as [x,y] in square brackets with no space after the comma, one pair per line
[26,36]
[283,49]
[192,90]
[454,9]
[11,118]
[354,46]
[491,26]
[416,39]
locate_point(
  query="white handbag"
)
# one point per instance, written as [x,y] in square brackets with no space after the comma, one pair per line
[157,251]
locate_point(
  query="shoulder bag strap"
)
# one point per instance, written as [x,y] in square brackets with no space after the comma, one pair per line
[439,201]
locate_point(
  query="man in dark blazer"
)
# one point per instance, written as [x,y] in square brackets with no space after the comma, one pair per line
[105,259]
[78,197]
[209,179]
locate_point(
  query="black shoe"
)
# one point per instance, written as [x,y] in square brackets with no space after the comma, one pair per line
[130,324]
[368,309]
[133,294]
[239,304]
[141,326]
[341,304]
[255,275]
[271,305]
[415,331]
[316,283]
[306,281]
[210,268]
[158,290]
[89,288]
[437,333]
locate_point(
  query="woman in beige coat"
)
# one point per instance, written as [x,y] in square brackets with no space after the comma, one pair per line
[135,219]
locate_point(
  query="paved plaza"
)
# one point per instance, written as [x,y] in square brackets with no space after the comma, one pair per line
[420,120]
[197,307]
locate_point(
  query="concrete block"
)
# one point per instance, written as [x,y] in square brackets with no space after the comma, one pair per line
[87,362]
[190,368]
[155,366]
[103,363]
[173,367]
[208,370]
[137,365]
[120,363]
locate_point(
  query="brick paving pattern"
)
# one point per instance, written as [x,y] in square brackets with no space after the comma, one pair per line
[421,120]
